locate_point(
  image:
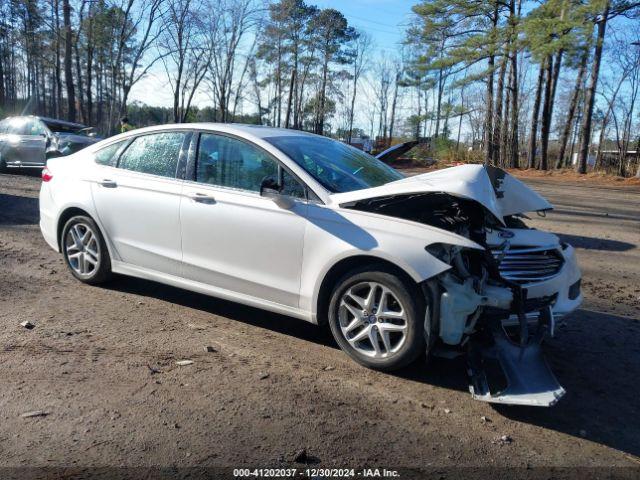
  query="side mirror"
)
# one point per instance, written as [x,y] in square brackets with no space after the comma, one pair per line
[270,188]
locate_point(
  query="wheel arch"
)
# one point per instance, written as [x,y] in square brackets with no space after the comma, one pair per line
[71,212]
[340,268]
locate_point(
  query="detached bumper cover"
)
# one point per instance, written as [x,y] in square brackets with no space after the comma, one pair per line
[529,380]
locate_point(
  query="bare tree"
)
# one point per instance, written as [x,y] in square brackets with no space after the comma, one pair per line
[185,53]
[359,51]
[68,67]
[228,23]
[577,89]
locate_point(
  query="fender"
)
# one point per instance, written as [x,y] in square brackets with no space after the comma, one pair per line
[336,234]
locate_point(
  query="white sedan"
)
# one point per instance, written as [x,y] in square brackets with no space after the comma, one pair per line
[309,227]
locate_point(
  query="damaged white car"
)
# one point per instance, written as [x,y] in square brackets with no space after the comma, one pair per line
[308,227]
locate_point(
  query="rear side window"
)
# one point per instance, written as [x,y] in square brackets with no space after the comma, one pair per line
[107,155]
[156,154]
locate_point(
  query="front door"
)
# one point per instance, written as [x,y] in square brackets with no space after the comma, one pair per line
[138,202]
[233,238]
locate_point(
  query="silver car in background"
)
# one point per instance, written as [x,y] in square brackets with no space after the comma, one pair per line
[27,141]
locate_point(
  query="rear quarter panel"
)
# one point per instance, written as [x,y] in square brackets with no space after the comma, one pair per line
[70,187]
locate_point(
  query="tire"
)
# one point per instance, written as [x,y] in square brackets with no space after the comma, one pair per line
[86,257]
[400,341]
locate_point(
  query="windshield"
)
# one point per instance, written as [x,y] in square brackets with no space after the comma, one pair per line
[69,129]
[336,166]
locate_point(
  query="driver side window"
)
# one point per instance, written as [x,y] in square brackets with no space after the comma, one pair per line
[228,162]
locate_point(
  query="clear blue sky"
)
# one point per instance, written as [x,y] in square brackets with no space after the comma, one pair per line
[384,20]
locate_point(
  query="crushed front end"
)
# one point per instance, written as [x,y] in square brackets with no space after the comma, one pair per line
[497,303]
[500,304]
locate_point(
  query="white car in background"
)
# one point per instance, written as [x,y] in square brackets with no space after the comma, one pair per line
[308,227]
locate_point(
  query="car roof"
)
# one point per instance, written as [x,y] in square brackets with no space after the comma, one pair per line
[243,130]
[48,120]
[263,131]
[63,123]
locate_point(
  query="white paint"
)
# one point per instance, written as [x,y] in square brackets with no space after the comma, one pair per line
[253,250]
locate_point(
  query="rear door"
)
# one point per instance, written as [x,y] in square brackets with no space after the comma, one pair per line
[138,200]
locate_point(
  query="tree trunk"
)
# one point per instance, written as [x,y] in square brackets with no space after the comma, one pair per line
[438,103]
[394,103]
[323,92]
[352,108]
[287,117]
[58,74]
[566,132]
[80,84]
[488,122]
[638,157]
[502,142]
[535,114]
[68,67]
[514,153]
[546,115]
[497,122]
[590,95]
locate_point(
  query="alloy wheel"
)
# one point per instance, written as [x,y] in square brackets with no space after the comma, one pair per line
[372,319]
[82,249]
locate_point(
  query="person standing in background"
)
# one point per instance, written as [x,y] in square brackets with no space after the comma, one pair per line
[124,125]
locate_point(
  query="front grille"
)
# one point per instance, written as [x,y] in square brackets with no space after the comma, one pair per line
[528,264]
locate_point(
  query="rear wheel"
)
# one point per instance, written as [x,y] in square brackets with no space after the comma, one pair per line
[85,251]
[377,318]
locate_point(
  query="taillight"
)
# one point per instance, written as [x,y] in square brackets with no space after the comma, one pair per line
[46,174]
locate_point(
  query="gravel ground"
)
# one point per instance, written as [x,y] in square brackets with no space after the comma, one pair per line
[101,363]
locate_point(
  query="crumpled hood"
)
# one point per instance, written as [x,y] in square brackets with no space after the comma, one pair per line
[500,193]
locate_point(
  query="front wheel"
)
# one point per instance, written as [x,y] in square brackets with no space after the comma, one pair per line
[377,318]
[85,251]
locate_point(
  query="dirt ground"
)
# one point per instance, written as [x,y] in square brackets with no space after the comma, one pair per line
[100,363]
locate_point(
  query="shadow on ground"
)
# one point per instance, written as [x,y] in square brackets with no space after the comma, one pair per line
[593,243]
[18,210]
[596,357]
[24,172]
[235,311]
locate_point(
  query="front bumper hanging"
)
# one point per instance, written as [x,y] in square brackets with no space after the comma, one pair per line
[529,380]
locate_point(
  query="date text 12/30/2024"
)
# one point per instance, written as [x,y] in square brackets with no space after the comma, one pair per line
[315,473]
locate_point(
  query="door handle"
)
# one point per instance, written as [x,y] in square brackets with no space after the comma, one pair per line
[108,183]
[202,198]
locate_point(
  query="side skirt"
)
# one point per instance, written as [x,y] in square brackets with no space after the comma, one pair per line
[198,287]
